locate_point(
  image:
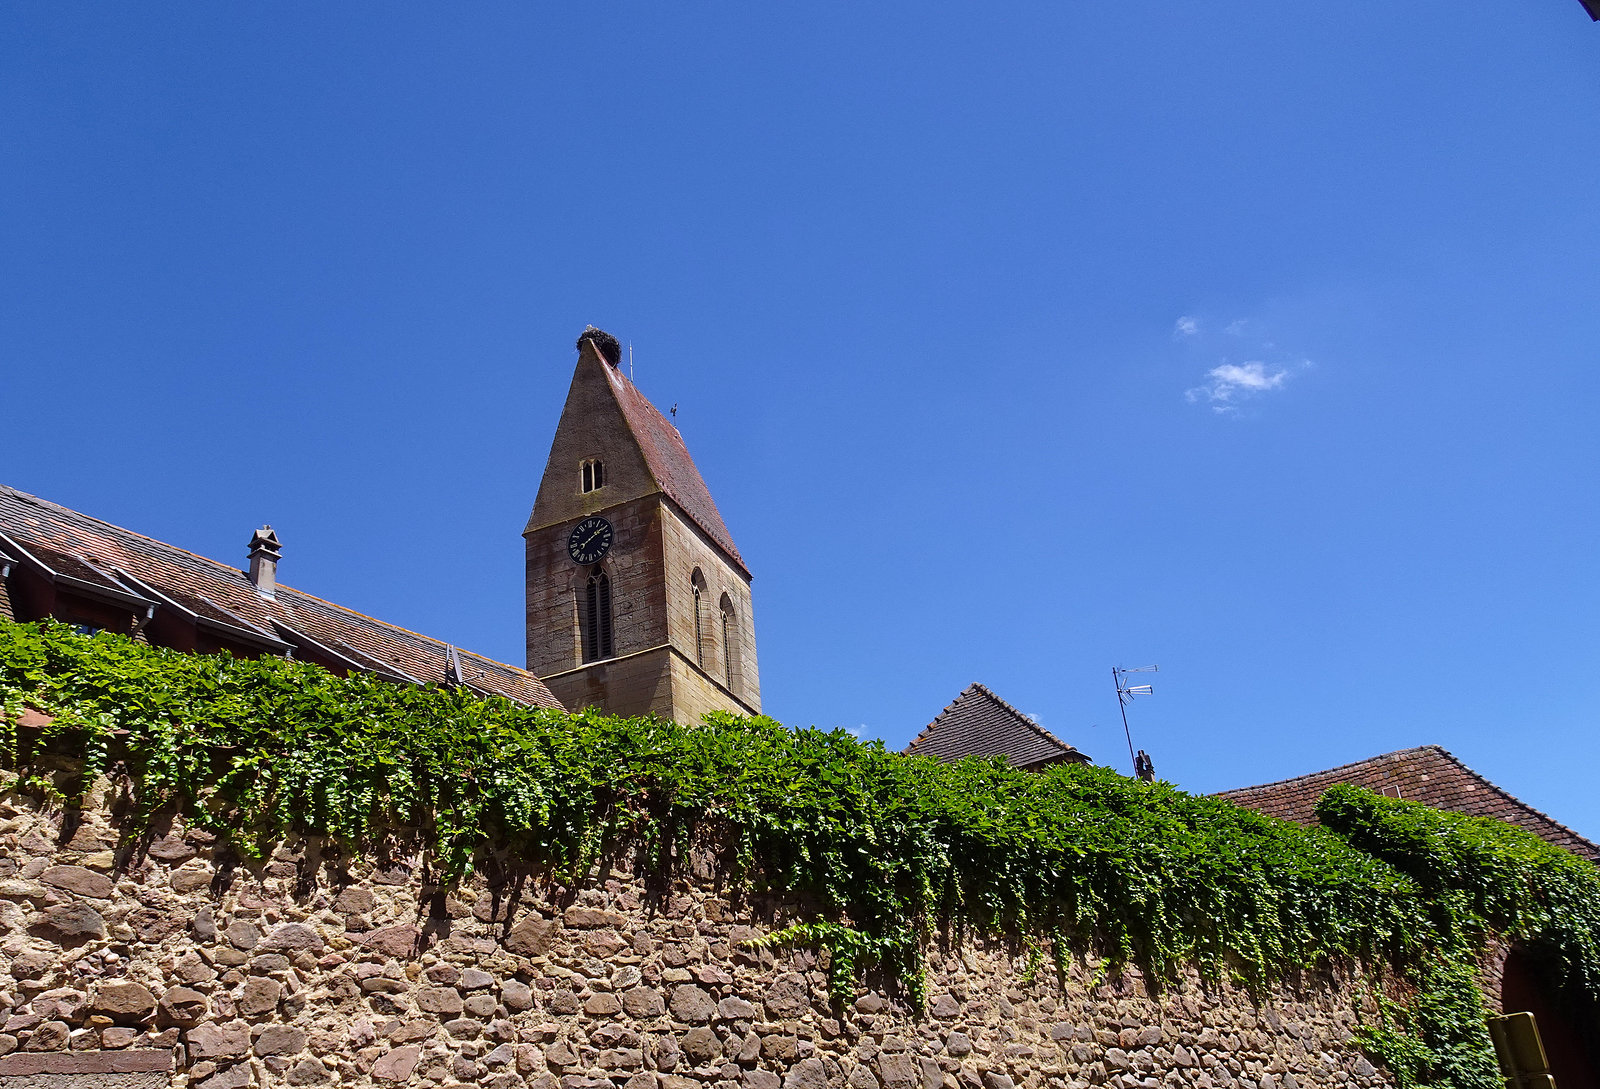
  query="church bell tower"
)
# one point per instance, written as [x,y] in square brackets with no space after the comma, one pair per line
[638,602]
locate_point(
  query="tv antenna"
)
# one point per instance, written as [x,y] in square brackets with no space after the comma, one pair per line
[1142,766]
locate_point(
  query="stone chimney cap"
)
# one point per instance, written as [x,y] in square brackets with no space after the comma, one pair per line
[265,542]
[604,342]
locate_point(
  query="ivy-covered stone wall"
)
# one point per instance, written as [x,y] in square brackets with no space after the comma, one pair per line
[169,962]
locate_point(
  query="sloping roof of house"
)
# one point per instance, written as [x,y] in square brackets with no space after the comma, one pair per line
[106,559]
[669,462]
[1427,774]
[980,723]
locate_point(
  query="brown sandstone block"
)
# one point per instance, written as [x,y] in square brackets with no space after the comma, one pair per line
[218,1042]
[136,1061]
[397,1065]
[279,1040]
[70,924]
[532,937]
[440,1000]
[126,1003]
[77,879]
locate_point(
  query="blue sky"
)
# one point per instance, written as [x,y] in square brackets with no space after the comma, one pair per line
[1016,341]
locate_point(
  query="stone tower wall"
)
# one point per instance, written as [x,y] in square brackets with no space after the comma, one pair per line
[555,589]
[687,550]
[640,684]
[183,968]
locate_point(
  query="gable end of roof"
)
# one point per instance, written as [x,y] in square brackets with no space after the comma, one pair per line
[979,723]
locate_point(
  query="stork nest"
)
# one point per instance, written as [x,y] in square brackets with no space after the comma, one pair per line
[610,350]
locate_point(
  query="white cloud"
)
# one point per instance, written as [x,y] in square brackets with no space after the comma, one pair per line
[1231,383]
[1234,377]
[1226,383]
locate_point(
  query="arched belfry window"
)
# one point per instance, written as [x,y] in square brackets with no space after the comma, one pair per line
[597,637]
[730,644]
[697,582]
[593,474]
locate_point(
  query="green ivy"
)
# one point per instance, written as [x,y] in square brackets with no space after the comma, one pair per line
[893,847]
[1439,1040]
[254,749]
[1480,876]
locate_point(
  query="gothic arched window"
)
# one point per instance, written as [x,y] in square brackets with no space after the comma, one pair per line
[597,637]
[593,472]
[730,644]
[697,582]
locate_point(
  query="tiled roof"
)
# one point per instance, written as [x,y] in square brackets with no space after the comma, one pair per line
[669,462]
[980,723]
[107,558]
[1429,775]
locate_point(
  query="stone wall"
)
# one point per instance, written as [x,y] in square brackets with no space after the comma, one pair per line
[174,965]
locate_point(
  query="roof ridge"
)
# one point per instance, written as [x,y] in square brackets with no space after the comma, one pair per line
[1329,771]
[29,497]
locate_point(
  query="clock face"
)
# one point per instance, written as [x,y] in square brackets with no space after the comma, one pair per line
[591,539]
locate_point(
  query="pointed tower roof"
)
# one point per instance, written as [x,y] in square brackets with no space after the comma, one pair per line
[665,458]
[980,723]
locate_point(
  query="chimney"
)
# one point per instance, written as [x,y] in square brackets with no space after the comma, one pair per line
[264,553]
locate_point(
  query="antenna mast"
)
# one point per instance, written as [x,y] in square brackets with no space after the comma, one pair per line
[1142,765]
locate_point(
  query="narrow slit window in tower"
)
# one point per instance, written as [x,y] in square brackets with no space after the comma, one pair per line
[729,634]
[597,637]
[697,582]
[593,474]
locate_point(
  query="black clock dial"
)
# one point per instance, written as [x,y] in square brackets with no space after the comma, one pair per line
[591,539]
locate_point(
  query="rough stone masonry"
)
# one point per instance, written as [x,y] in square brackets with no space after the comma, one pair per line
[168,963]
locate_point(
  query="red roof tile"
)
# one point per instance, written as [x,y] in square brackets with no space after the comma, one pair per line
[89,549]
[980,723]
[669,462]
[1429,775]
